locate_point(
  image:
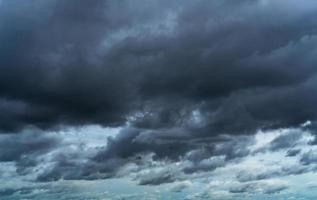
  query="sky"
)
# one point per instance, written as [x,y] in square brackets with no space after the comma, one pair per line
[158,99]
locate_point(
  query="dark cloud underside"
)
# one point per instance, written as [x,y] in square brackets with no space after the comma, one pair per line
[187,84]
[243,65]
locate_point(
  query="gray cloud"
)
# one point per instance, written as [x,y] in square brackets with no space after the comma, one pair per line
[275,189]
[287,140]
[142,161]
[188,83]
[293,152]
[28,144]
[309,157]
[103,67]
[246,176]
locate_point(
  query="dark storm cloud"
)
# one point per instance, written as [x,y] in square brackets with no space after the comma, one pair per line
[244,65]
[177,74]
[128,148]
[147,160]
[130,140]
[30,143]
[196,152]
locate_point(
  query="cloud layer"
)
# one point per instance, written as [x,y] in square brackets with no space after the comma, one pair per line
[160,92]
[233,166]
[241,66]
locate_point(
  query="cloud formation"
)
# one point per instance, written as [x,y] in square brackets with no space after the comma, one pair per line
[241,66]
[189,87]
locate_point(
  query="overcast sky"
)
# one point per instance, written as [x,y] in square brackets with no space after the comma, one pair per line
[158,99]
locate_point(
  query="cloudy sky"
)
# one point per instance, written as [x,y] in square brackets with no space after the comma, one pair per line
[158,99]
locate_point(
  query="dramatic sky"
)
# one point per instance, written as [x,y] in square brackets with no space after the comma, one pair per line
[158,99]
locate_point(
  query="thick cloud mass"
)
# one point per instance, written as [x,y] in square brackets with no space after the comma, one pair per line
[242,65]
[187,84]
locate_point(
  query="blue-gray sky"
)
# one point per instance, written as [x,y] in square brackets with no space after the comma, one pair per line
[180,99]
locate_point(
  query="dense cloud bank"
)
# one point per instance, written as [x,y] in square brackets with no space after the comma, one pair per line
[189,87]
[239,65]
